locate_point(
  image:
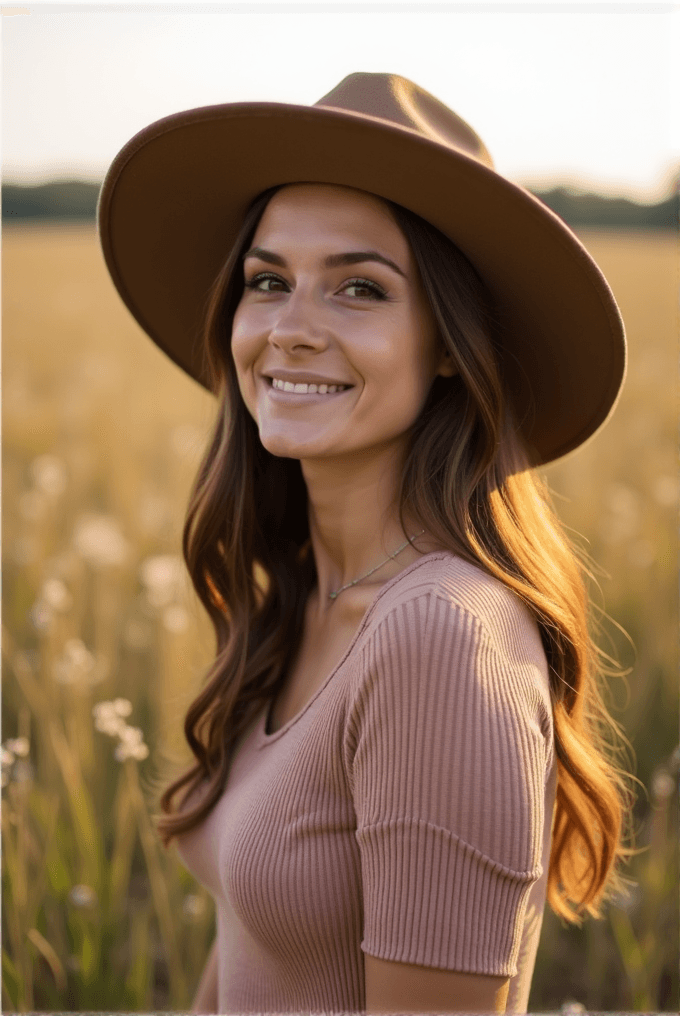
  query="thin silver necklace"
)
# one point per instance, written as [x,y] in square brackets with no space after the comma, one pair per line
[332,596]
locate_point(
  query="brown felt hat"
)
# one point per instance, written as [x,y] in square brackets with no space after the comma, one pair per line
[176,195]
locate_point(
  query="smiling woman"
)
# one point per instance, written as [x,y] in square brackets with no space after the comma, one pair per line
[371,336]
[399,748]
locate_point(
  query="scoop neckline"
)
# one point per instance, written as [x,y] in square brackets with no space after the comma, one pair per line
[263,737]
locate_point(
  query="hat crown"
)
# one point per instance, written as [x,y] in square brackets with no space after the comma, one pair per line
[399,101]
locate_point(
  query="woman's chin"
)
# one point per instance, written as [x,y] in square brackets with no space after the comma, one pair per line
[284,447]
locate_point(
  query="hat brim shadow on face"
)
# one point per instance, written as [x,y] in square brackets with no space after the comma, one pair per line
[176,195]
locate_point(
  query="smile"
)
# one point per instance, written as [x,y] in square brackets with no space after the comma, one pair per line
[286,391]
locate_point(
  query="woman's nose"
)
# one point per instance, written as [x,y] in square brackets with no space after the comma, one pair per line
[299,324]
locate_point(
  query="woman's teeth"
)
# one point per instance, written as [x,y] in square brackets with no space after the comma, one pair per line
[311,389]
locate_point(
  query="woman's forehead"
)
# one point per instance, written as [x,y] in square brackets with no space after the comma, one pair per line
[326,210]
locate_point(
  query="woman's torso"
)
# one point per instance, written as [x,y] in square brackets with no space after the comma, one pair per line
[287,850]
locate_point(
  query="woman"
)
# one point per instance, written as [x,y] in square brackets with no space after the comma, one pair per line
[399,745]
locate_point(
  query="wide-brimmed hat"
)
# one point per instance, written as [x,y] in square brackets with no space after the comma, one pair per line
[176,195]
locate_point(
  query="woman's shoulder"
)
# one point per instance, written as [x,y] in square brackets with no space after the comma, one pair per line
[472,595]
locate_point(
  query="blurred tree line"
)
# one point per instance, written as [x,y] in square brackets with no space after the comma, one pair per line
[76,200]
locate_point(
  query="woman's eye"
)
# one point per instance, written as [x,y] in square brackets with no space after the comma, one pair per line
[258,283]
[364,288]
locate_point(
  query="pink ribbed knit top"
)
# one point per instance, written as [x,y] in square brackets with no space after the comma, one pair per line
[404,812]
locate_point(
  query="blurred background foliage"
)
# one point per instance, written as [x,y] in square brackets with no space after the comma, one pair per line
[105,644]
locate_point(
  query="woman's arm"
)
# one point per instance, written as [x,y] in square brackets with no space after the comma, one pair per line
[405,987]
[205,1000]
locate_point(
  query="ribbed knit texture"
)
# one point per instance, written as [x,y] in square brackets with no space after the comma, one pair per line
[405,812]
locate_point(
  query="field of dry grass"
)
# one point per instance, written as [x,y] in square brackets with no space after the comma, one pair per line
[101,437]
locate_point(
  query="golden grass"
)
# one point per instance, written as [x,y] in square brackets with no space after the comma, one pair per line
[123,429]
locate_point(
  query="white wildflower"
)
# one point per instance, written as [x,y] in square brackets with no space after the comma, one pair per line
[663,785]
[109,720]
[56,595]
[98,538]
[193,907]
[131,735]
[82,896]
[49,474]
[75,664]
[122,706]
[111,725]
[19,746]
[162,577]
[125,750]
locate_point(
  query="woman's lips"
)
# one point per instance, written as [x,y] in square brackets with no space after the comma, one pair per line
[300,398]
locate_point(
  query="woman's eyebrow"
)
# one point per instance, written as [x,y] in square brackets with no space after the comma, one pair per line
[332,261]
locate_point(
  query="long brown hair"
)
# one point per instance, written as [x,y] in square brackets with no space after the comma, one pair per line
[467,480]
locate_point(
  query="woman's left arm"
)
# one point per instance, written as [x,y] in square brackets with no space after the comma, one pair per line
[406,987]
[447,747]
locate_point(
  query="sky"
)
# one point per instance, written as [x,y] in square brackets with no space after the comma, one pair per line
[586,94]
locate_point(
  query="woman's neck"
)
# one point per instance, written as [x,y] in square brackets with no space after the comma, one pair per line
[354,527]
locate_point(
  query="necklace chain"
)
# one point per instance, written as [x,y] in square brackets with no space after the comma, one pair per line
[332,596]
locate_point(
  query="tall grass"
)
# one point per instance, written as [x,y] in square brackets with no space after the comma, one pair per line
[104,644]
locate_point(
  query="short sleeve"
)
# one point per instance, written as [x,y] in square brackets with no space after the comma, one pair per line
[446,753]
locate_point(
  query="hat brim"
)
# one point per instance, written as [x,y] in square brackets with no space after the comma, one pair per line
[176,195]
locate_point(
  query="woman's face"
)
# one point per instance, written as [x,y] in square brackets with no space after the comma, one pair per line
[332,296]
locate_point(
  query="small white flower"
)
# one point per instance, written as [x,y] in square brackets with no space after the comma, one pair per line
[193,907]
[56,595]
[103,708]
[19,746]
[663,785]
[49,474]
[98,538]
[82,896]
[111,725]
[122,706]
[125,750]
[131,735]
[162,576]
[75,664]
[7,756]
